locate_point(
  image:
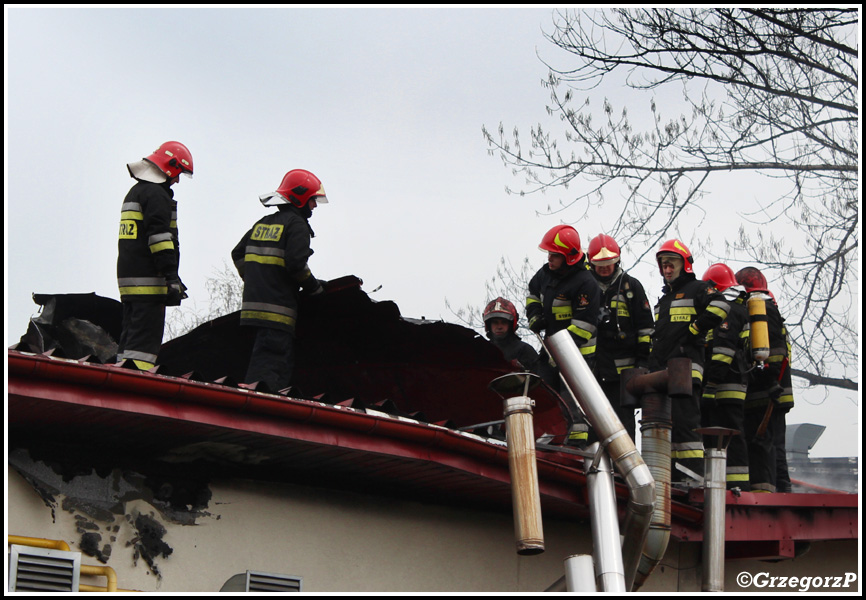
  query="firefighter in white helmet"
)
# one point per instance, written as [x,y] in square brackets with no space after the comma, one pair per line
[625,324]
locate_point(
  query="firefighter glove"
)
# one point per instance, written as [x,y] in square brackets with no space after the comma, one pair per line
[315,288]
[775,391]
[537,325]
[176,292]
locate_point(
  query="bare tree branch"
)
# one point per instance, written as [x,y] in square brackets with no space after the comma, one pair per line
[769,91]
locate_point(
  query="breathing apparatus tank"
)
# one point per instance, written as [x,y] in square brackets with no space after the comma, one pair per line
[759,335]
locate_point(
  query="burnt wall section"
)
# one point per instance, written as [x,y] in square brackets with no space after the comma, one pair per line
[100,493]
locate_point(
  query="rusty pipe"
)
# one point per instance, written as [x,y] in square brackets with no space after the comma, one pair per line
[613,437]
[525,493]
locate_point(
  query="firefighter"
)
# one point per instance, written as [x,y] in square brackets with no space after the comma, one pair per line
[564,295]
[726,374]
[271,258]
[770,396]
[688,309]
[500,323]
[625,324]
[148,252]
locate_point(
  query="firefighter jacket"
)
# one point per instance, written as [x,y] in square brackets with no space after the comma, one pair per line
[725,373]
[625,326]
[765,383]
[513,348]
[567,298]
[148,250]
[272,260]
[687,311]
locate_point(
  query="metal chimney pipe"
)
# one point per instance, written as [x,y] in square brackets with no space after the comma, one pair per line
[605,525]
[525,494]
[713,578]
[611,432]
[656,449]
[657,391]
[579,574]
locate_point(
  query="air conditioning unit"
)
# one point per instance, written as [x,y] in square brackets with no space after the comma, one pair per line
[43,570]
[257,581]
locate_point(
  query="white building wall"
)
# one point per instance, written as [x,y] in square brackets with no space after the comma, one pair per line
[346,542]
[336,541]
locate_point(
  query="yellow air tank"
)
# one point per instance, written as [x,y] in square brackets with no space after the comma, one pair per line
[759,331]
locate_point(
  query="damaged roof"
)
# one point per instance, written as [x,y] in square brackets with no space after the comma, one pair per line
[380,403]
[348,348]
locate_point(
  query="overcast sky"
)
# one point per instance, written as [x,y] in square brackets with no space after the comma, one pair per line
[384,105]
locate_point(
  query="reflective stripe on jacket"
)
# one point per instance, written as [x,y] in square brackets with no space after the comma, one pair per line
[567,298]
[625,326]
[272,260]
[687,311]
[148,247]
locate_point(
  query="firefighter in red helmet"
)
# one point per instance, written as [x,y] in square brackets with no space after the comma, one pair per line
[148,255]
[625,324]
[271,258]
[688,309]
[770,395]
[500,323]
[726,374]
[564,295]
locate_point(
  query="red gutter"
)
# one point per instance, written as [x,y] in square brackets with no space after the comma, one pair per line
[127,390]
[767,516]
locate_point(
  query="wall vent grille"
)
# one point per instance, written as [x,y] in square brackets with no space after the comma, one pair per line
[272,582]
[43,570]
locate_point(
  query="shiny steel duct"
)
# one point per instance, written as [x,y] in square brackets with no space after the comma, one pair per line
[613,437]
[609,575]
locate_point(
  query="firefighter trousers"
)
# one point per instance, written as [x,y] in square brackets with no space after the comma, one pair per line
[272,358]
[762,452]
[729,414]
[141,335]
[687,447]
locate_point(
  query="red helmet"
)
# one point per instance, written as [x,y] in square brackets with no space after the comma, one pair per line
[752,279]
[500,309]
[721,276]
[603,250]
[676,247]
[298,188]
[563,239]
[172,158]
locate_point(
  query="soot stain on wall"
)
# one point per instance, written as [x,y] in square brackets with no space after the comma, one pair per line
[97,490]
